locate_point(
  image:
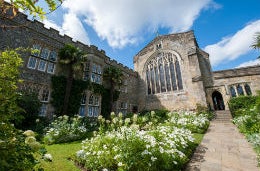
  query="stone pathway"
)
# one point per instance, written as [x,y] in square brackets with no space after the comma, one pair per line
[223,148]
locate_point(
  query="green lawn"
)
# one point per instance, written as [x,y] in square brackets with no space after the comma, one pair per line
[60,154]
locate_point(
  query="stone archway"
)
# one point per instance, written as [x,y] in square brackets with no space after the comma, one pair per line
[218,101]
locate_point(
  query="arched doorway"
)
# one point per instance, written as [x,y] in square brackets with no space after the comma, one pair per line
[218,101]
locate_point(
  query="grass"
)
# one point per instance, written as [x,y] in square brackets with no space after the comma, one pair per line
[198,138]
[60,154]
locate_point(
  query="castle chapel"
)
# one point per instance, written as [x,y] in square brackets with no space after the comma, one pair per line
[171,72]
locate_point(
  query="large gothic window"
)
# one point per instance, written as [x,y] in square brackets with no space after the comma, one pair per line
[163,74]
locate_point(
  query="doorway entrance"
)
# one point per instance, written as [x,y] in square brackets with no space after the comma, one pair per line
[218,101]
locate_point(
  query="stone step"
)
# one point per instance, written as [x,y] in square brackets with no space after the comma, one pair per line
[223,116]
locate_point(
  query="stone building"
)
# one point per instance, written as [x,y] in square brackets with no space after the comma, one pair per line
[40,66]
[176,74]
[171,72]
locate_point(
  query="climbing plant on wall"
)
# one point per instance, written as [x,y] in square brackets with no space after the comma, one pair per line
[58,91]
[58,94]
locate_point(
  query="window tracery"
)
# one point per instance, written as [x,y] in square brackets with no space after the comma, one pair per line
[163,74]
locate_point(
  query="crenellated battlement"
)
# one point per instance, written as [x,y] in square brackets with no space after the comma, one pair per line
[51,33]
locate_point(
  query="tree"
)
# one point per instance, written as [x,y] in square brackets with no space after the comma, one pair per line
[256,44]
[16,153]
[114,77]
[10,61]
[73,58]
[30,6]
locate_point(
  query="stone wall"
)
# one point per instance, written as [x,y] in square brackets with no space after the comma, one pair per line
[185,47]
[25,33]
[233,77]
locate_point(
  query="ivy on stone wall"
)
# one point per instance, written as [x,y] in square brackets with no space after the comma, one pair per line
[58,94]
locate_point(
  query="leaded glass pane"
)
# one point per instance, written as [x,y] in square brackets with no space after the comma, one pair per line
[95,111]
[51,67]
[45,53]
[167,76]
[248,90]
[157,80]
[178,74]
[240,90]
[42,65]
[82,110]
[83,99]
[148,81]
[232,92]
[43,110]
[45,95]
[96,101]
[152,80]
[53,56]
[162,79]
[91,100]
[32,63]
[172,69]
[90,111]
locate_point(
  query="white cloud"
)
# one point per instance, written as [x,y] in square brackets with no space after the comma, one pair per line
[231,48]
[123,22]
[249,63]
[71,26]
[51,24]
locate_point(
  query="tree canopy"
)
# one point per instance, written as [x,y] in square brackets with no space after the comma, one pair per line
[73,58]
[30,6]
[114,77]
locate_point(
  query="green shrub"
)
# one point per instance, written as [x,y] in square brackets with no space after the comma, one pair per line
[15,153]
[258,101]
[65,129]
[237,104]
[30,105]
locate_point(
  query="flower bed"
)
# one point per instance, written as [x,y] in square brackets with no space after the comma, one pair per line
[141,143]
[246,112]
[65,129]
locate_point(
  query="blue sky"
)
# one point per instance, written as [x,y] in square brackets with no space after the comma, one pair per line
[223,28]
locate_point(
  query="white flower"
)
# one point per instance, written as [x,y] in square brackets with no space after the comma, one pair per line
[29,133]
[127,120]
[47,157]
[120,164]
[105,169]
[100,117]
[115,120]
[135,118]
[116,156]
[153,158]
[120,115]
[80,153]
